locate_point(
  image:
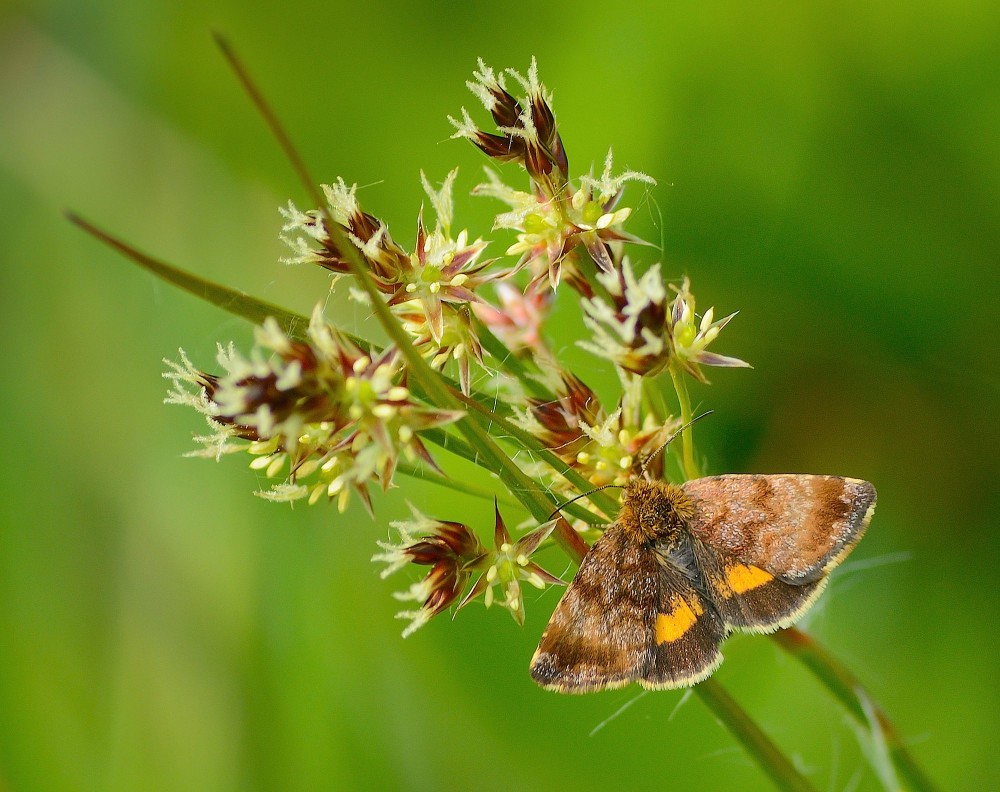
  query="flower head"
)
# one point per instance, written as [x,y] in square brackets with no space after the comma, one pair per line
[605,447]
[631,329]
[690,338]
[510,564]
[450,549]
[320,407]
[444,270]
[528,130]
[550,228]
[311,242]
[517,321]
[642,333]
[430,290]
[455,554]
[554,217]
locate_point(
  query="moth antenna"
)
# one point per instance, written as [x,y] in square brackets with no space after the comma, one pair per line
[643,464]
[581,495]
[270,118]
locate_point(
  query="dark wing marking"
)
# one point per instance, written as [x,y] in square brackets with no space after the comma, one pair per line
[796,527]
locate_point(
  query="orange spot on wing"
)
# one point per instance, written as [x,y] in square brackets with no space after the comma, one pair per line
[743,577]
[682,617]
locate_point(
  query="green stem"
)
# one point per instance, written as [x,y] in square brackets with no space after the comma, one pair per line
[856,700]
[427,474]
[531,443]
[653,399]
[757,743]
[455,445]
[691,470]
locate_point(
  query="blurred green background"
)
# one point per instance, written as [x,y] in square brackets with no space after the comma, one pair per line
[831,170]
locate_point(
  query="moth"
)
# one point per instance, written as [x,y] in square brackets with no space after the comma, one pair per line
[683,566]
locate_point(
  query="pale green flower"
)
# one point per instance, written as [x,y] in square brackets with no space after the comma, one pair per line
[509,565]
[642,333]
[690,337]
[550,228]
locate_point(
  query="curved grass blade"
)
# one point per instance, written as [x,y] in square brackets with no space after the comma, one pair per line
[228,299]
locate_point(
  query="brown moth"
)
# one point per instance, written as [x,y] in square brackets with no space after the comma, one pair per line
[683,566]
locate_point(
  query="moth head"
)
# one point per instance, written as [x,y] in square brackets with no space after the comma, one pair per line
[654,510]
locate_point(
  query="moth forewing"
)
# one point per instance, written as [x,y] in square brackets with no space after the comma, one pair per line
[598,636]
[796,527]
